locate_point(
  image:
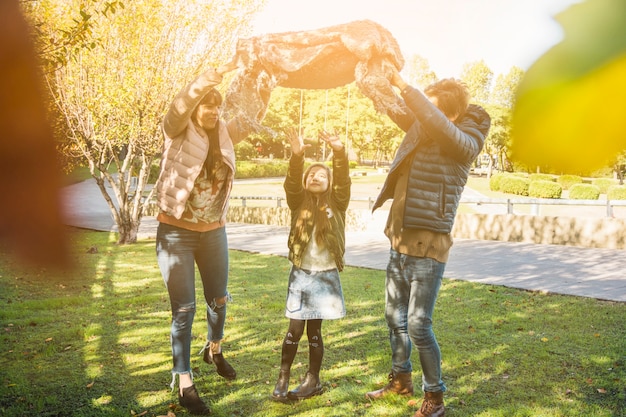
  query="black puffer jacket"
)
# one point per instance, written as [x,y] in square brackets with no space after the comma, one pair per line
[439,155]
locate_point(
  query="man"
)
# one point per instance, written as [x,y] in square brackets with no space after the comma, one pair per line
[444,135]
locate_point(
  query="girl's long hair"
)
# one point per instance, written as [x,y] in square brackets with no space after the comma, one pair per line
[316,206]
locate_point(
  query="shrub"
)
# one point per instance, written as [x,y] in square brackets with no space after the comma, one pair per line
[584,192]
[567,181]
[616,192]
[251,169]
[155,169]
[544,189]
[541,177]
[515,185]
[245,151]
[603,184]
[495,182]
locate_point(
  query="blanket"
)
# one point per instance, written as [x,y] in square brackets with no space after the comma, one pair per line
[359,51]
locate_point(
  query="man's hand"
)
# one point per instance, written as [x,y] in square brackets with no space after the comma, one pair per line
[395,79]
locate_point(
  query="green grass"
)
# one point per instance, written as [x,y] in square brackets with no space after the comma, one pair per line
[95,342]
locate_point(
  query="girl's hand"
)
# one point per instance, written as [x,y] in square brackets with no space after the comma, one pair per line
[296,142]
[332,139]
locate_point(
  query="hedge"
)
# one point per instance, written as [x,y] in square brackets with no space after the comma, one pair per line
[541,177]
[584,192]
[616,192]
[252,169]
[567,181]
[544,189]
[515,185]
[495,182]
[603,184]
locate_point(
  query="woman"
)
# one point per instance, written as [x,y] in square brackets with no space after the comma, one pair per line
[316,243]
[193,188]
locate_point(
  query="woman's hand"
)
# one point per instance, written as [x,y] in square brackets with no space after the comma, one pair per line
[332,139]
[296,142]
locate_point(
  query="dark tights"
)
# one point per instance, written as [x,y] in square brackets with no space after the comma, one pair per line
[292,338]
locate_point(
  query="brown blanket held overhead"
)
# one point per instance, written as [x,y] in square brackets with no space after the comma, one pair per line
[326,58]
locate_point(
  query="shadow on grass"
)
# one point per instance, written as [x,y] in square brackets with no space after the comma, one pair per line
[64,352]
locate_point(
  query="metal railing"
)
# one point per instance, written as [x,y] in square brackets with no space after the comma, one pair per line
[535,203]
[244,199]
[510,203]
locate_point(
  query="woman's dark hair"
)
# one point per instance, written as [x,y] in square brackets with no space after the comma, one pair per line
[211,163]
[453,96]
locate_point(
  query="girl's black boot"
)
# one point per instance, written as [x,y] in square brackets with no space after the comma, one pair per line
[282,386]
[310,387]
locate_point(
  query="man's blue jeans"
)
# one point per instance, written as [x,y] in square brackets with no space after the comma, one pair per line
[412,287]
[178,251]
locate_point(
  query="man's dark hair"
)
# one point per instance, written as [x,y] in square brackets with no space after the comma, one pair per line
[452,94]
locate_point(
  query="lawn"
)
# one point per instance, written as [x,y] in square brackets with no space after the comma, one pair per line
[95,342]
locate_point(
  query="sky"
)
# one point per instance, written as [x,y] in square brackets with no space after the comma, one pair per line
[447,33]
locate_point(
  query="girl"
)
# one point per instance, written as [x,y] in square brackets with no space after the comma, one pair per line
[318,205]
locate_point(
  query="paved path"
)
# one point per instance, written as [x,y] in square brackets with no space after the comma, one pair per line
[595,273]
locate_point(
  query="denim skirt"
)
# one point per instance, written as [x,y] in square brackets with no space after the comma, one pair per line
[314,295]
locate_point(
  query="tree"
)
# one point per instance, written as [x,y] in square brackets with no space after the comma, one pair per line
[368,135]
[500,105]
[282,113]
[498,140]
[478,77]
[503,93]
[418,72]
[113,93]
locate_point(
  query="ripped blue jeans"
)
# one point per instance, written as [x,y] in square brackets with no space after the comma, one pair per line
[412,286]
[178,251]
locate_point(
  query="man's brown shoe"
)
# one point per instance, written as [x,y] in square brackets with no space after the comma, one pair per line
[400,383]
[432,405]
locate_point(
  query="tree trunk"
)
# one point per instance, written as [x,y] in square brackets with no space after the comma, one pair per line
[127,229]
[128,208]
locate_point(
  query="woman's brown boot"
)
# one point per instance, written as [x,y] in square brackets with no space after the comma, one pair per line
[192,402]
[223,368]
[400,383]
